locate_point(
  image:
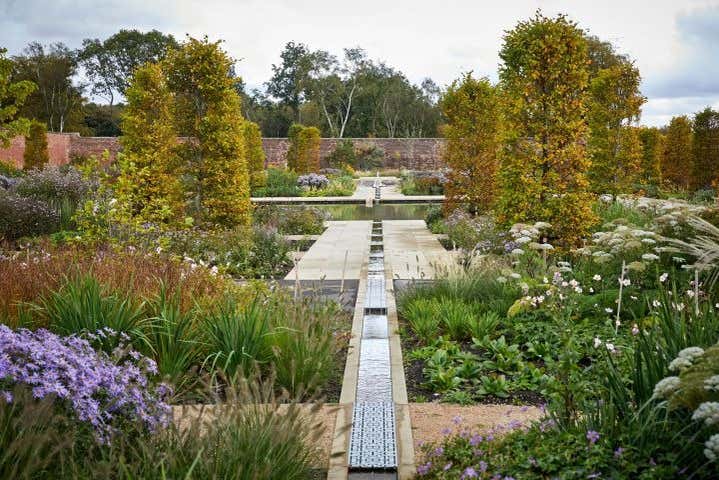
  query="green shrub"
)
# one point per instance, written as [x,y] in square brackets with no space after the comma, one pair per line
[290,220]
[434,219]
[9,170]
[82,305]
[456,318]
[421,315]
[343,154]
[280,183]
[239,337]
[174,342]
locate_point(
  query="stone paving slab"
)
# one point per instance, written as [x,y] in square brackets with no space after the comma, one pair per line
[412,251]
[325,258]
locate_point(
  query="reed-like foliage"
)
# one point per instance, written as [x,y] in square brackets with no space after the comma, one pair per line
[82,305]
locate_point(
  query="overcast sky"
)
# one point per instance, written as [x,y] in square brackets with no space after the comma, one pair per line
[674,42]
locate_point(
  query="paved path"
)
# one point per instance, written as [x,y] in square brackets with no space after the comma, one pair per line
[412,250]
[325,258]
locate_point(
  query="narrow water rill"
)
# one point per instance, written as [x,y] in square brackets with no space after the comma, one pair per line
[373,440]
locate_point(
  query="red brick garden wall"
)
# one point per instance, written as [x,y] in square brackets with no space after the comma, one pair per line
[58,149]
[410,153]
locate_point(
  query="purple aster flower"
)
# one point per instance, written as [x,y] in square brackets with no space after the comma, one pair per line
[424,469]
[618,452]
[592,436]
[101,391]
[469,472]
[447,467]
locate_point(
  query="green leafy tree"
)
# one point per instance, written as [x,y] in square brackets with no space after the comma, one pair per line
[678,160]
[292,77]
[103,120]
[57,101]
[614,104]
[255,155]
[12,96]
[544,78]
[110,64]
[472,109]
[706,149]
[652,151]
[36,155]
[207,109]
[149,188]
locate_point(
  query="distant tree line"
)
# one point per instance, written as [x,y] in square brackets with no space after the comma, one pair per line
[352,96]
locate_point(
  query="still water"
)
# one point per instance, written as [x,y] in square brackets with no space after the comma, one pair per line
[385,211]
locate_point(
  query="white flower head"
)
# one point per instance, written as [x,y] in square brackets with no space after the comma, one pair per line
[663,277]
[666,387]
[712,383]
[597,342]
[707,412]
[597,278]
[711,449]
[686,358]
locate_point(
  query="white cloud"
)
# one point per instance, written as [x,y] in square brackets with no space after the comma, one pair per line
[674,43]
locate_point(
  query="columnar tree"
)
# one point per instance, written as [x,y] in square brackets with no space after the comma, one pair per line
[292,157]
[706,149]
[677,164]
[614,103]
[207,109]
[652,151]
[36,154]
[255,155]
[12,96]
[544,79]
[303,153]
[149,187]
[308,147]
[471,107]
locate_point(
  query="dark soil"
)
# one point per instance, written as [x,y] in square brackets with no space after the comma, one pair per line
[332,389]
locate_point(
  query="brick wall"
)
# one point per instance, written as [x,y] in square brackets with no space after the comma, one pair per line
[86,146]
[410,153]
[58,148]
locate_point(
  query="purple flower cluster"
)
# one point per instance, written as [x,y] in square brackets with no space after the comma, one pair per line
[95,389]
[313,181]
